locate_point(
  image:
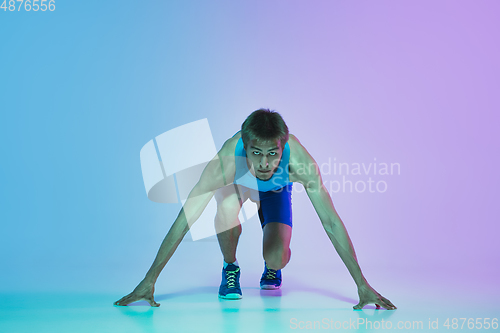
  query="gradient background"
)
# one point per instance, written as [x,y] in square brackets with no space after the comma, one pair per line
[83,88]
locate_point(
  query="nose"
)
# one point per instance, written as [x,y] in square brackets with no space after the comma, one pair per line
[264,162]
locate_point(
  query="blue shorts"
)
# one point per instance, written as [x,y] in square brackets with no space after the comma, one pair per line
[274,206]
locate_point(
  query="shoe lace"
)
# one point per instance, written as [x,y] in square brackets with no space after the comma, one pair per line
[271,274]
[231,278]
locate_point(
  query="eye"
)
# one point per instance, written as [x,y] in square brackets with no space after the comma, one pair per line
[256,153]
[272,153]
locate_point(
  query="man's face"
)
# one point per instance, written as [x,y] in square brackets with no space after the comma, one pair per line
[263,157]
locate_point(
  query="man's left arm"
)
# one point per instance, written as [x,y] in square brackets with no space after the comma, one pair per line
[310,177]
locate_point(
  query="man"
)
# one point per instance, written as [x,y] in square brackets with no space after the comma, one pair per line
[259,163]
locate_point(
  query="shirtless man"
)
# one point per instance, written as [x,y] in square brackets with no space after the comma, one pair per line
[259,163]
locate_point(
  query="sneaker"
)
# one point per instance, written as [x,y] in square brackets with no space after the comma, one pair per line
[230,285]
[270,279]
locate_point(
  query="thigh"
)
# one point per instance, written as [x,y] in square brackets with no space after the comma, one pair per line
[228,206]
[276,206]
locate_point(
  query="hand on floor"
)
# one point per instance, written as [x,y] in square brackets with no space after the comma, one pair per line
[368,295]
[144,291]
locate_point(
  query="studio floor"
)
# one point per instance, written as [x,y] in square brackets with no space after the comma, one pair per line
[424,305]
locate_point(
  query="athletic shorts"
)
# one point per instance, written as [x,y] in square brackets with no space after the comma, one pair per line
[274,206]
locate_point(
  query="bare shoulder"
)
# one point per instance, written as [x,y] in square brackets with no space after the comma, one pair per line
[298,153]
[226,158]
[220,171]
[229,145]
[302,166]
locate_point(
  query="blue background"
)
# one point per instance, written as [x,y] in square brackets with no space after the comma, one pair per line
[83,88]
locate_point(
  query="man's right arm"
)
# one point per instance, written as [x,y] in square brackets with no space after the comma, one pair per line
[218,173]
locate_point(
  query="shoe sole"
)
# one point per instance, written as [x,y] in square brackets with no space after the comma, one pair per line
[231,296]
[269,287]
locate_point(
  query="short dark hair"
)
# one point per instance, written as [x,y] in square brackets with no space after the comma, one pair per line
[264,124]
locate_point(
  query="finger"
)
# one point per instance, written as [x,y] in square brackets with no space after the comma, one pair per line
[125,300]
[384,305]
[121,302]
[152,302]
[360,305]
[388,304]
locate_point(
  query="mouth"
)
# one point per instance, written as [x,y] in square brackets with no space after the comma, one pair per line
[264,171]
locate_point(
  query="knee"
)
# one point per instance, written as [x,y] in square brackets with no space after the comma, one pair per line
[227,217]
[277,258]
[224,223]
